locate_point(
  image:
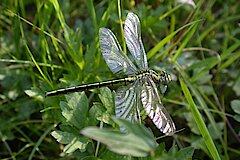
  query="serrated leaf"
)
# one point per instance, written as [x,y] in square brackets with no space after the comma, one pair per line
[173,153]
[63,137]
[139,141]
[235,104]
[75,110]
[76,143]
[73,141]
[185,153]
[68,128]
[95,112]
[106,118]
[107,99]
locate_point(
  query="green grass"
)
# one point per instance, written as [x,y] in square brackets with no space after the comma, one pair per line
[47,45]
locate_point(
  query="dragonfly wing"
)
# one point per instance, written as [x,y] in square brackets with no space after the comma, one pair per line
[132,33]
[154,108]
[115,58]
[127,103]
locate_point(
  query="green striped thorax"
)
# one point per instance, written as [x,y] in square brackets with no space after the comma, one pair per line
[159,78]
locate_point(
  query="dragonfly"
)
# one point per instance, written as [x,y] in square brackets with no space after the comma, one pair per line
[140,89]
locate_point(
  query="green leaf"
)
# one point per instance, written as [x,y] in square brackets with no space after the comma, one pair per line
[109,155]
[198,143]
[237,117]
[107,99]
[236,87]
[173,153]
[73,141]
[35,93]
[106,118]
[160,149]
[63,137]
[139,141]
[203,68]
[235,104]
[185,153]
[95,112]
[173,150]
[76,143]
[216,134]
[75,110]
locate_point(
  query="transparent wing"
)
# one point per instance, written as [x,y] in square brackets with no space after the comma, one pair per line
[127,103]
[116,60]
[153,106]
[132,33]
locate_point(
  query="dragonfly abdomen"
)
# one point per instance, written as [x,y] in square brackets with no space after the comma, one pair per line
[85,87]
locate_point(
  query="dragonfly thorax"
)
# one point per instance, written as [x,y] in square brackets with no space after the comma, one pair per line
[160,78]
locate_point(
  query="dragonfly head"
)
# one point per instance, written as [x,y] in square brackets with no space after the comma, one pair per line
[161,78]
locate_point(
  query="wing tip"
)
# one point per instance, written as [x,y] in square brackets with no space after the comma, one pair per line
[169,129]
[131,14]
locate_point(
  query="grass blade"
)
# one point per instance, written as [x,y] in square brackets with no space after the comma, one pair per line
[167,39]
[198,119]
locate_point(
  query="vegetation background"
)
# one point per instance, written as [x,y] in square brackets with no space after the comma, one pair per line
[46,45]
